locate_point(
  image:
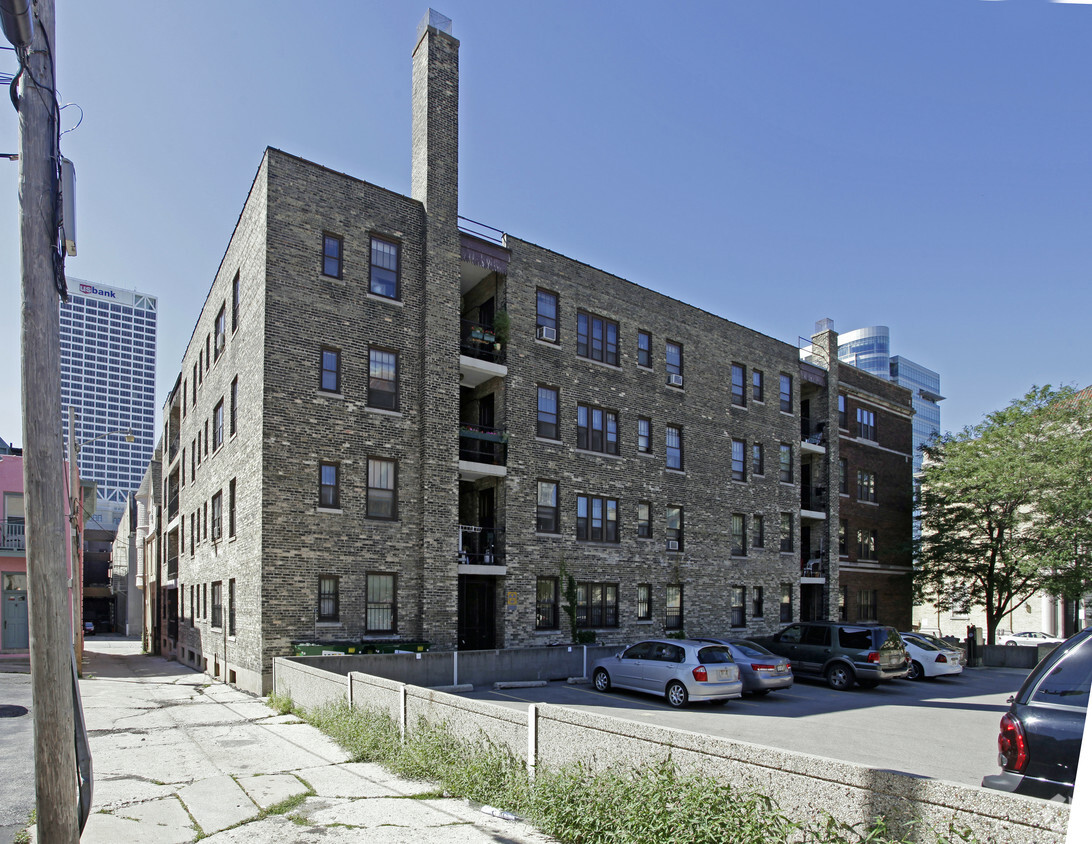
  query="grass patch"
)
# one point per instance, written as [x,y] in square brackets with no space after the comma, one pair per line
[23,835]
[281,704]
[653,804]
[286,806]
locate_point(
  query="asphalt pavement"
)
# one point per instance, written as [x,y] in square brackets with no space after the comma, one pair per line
[16,751]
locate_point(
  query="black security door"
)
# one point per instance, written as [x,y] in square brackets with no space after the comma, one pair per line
[477,613]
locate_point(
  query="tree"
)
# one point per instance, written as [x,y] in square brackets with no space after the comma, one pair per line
[1000,506]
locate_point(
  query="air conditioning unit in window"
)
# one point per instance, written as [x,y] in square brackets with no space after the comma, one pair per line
[546,333]
[672,545]
[221,341]
[674,380]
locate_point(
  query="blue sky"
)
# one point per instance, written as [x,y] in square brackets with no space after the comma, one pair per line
[923,165]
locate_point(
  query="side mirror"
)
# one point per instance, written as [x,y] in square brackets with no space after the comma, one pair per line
[618,655]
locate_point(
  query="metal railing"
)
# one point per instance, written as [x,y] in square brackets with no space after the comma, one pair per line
[481,546]
[813,499]
[478,340]
[481,230]
[814,565]
[814,434]
[13,535]
[483,445]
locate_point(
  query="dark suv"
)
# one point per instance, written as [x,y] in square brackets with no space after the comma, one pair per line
[1041,733]
[841,653]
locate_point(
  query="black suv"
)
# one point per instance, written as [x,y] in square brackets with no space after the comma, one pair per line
[1041,733]
[841,653]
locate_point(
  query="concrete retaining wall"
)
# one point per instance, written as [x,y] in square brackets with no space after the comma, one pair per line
[803,785]
[1019,656]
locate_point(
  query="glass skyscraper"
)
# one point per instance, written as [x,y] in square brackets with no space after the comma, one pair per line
[108,343]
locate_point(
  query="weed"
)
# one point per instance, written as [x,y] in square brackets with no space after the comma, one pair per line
[281,704]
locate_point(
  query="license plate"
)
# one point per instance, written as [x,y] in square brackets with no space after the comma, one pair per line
[724,674]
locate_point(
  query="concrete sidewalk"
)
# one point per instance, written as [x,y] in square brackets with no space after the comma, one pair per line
[177,757]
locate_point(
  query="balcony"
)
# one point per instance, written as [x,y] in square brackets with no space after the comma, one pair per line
[483,452]
[813,568]
[813,502]
[481,550]
[13,535]
[481,357]
[813,437]
[172,449]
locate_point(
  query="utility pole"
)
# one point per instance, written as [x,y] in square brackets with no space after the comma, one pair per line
[43,464]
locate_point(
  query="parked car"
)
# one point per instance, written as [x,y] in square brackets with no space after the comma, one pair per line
[940,643]
[89,628]
[928,659]
[1040,738]
[842,653]
[761,670]
[680,670]
[1029,637]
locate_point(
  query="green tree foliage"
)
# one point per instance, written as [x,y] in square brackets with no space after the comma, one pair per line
[1001,507]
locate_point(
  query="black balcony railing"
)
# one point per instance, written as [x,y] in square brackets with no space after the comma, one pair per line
[13,535]
[814,498]
[483,445]
[172,450]
[478,340]
[814,565]
[172,567]
[814,434]
[481,546]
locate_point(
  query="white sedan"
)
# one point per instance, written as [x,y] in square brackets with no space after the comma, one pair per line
[929,660]
[1029,637]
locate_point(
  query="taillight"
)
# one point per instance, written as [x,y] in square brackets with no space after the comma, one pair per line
[874,656]
[700,674]
[1012,746]
[941,658]
[758,667]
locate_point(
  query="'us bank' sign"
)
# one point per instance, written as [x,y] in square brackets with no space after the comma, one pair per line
[90,289]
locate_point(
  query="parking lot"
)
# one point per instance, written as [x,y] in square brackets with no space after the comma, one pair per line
[944,729]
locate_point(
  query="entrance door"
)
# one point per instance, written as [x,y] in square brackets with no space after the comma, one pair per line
[477,613]
[16,630]
[811,602]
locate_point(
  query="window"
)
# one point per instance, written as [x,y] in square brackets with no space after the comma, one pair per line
[205,518]
[597,338]
[546,316]
[644,519]
[547,513]
[383,379]
[596,518]
[193,532]
[204,589]
[644,602]
[1068,682]
[185,394]
[738,603]
[208,351]
[235,303]
[206,438]
[758,531]
[786,531]
[843,476]
[234,405]
[192,612]
[867,600]
[843,534]
[842,422]
[382,488]
[786,602]
[673,444]
[785,464]
[866,486]
[758,386]
[231,508]
[644,349]
[218,603]
[739,376]
[758,460]
[673,357]
[182,467]
[674,527]
[866,424]
[597,605]
[756,602]
[196,372]
[217,516]
[330,370]
[547,414]
[843,604]
[546,615]
[739,461]
[644,436]
[328,598]
[221,333]
[329,493]
[673,607]
[596,429]
[383,277]
[331,255]
[218,425]
[381,611]
[231,607]
[866,545]
[786,393]
[739,535]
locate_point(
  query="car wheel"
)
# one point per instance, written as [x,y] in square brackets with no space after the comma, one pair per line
[676,694]
[1011,644]
[916,671]
[601,680]
[840,677]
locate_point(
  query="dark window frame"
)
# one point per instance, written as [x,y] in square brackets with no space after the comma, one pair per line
[543,320]
[547,605]
[392,489]
[332,259]
[329,599]
[231,607]
[786,534]
[586,530]
[674,607]
[739,460]
[644,602]
[218,515]
[235,302]
[673,455]
[758,386]
[218,425]
[234,417]
[866,486]
[391,398]
[607,353]
[371,606]
[675,534]
[758,531]
[644,522]
[784,466]
[325,371]
[601,613]
[332,499]
[785,395]
[373,267]
[758,604]
[217,604]
[547,514]
[543,423]
[644,349]
[674,368]
[231,508]
[220,331]
[866,424]
[601,439]
[739,385]
[786,605]
[737,603]
[738,535]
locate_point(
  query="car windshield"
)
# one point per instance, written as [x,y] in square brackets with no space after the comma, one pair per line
[714,655]
[751,649]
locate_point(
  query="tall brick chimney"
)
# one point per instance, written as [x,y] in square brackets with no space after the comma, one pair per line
[435,177]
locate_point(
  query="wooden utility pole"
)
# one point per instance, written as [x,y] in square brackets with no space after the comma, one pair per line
[43,453]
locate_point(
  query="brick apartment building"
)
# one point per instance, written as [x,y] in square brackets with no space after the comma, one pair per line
[387,427]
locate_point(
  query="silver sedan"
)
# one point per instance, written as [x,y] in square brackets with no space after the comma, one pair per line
[762,671]
[680,670]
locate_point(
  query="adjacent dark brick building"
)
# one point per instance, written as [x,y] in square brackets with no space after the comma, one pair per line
[388,427]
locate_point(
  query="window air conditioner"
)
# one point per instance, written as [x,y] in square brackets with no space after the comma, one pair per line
[674,380]
[546,333]
[672,545]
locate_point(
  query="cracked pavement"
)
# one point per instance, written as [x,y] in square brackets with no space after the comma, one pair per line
[179,757]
